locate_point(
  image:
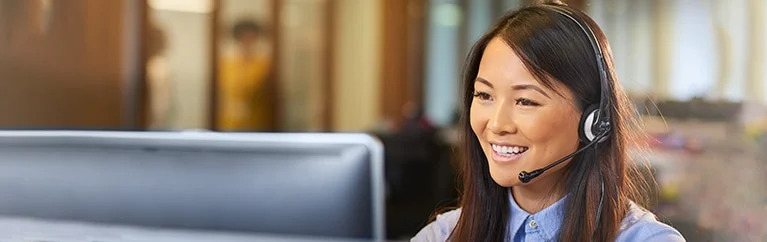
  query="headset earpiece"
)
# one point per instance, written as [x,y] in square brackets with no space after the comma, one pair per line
[593,125]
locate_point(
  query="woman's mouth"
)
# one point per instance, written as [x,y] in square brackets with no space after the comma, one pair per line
[507,153]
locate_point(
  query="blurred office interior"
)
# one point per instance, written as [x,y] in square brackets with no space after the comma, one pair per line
[694,68]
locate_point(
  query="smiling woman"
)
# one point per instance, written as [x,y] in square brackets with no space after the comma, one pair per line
[513,114]
[540,91]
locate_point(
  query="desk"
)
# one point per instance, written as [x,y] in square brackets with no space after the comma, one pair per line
[30,229]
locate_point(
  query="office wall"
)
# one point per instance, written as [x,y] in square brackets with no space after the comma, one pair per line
[188,66]
[357,64]
[61,64]
[303,64]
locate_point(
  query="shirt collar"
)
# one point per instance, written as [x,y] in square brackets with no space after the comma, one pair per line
[549,219]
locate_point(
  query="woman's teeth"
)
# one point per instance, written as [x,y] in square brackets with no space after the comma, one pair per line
[508,150]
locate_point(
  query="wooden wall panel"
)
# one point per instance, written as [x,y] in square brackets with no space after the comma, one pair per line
[403,58]
[68,76]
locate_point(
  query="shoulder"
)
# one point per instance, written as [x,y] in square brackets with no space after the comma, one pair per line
[642,225]
[440,229]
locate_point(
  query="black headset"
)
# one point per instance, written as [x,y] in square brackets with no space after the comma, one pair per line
[595,122]
[595,126]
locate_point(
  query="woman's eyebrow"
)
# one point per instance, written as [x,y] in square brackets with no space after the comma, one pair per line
[483,81]
[528,86]
[515,87]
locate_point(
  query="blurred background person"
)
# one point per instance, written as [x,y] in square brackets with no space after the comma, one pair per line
[159,81]
[245,94]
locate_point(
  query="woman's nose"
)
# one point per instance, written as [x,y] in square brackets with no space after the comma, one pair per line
[502,121]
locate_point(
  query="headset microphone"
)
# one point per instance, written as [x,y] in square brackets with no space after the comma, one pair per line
[525,177]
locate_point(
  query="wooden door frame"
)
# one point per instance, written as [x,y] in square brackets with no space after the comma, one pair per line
[404,27]
[328,82]
[213,78]
[143,101]
[141,112]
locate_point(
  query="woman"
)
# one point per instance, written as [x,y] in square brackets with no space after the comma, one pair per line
[541,91]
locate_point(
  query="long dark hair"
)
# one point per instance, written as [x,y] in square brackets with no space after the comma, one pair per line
[555,49]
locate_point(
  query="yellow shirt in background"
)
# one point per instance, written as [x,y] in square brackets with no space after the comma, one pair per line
[244,98]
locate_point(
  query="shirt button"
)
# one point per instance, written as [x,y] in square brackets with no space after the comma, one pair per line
[533,224]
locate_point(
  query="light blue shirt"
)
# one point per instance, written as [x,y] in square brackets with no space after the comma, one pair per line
[638,225]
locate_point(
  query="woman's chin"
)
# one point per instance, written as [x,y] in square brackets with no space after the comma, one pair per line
[507,179]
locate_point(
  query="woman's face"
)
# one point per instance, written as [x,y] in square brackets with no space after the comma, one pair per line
[521,125]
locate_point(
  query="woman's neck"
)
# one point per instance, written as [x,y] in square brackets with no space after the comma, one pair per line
[540,194]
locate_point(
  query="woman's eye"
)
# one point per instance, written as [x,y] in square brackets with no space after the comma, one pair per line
[526,102]
[483,96]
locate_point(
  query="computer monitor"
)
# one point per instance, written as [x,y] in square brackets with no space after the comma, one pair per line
[310,185]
